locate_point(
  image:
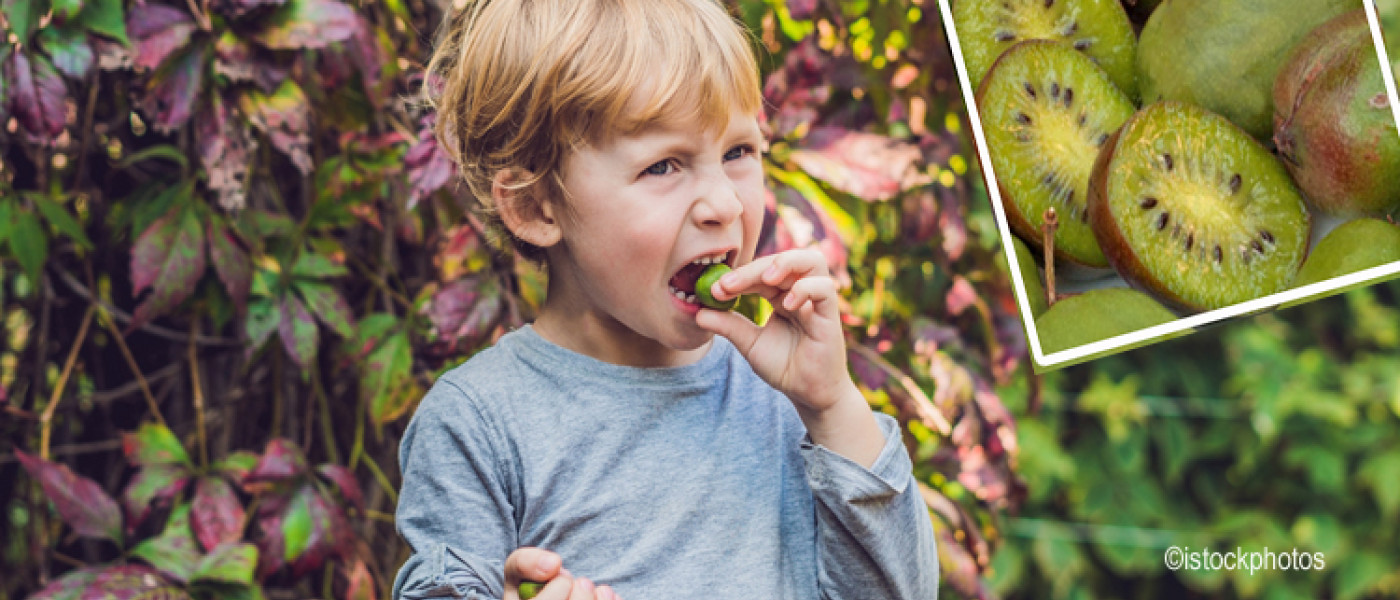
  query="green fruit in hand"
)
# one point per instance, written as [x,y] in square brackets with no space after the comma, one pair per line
[529,589]
[1225,54]
[1097,315]
[707,280]
[1334,127]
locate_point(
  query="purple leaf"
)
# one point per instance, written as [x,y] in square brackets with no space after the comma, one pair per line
[346,482]
[173,90]
[368,57]
[152,486]
[231,263]
[298,331]
[154,444]
[68,587]
[217,516]
[132,582]
[237,8]
[225,149]
[282,460]
[801,9]
[328,306]
[230,563]
[307,24]
[157,30]
[429,166]
[271,545]
[37,94]
[168,258]
[173,552]
[284,118]
[313,530]
[465,310]
[865,165]
[79,500]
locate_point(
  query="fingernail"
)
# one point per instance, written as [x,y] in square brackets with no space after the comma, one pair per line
[728,278]
[772,270]
[547,562]
[584,584]
[606,593]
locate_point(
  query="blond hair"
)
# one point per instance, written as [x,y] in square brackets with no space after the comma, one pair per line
[520,83]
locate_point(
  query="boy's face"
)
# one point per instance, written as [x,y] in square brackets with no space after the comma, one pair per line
[642,208]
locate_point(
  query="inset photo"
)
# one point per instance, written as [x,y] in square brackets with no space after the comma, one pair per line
[1159,165]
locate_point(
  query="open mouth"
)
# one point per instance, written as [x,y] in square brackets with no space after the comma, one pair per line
[682,284]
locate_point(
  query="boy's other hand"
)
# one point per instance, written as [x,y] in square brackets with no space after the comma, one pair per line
[535,564]
[801,350]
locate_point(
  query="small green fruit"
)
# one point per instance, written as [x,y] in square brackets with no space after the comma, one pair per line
[1030,277]
[1354,246]
[1096,315]
[529,589]
[707,280]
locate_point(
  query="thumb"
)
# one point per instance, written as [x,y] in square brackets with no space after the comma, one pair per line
[739,329]
[531,564]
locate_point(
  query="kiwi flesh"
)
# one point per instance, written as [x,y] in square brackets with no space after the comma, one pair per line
[1353,246]
[1098,315]
[1190,208]
[1046,110]
[1225,54]
[1100,29]
[1334,126]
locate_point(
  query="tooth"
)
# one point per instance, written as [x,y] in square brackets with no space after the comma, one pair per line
[690,298]
[680,295]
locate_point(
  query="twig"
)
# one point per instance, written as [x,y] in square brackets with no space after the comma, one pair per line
[382,517]
[198,397]
[327,429]
[94,83]
[1047,232]
[72,449]
[46,420]
[116,313]
[381,478]
[131,362]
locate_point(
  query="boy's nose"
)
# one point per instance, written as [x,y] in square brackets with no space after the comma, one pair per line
[719,205]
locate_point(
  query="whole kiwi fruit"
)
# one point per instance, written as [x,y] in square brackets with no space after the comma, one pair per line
[1190,208]
[1334,126]
[1353,246]
[1226,54]
[1098,315]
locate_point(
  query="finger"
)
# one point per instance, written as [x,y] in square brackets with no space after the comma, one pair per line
[736,327]
[559,588]
[794,265]
[532,564]
[742,279]
[607,593]
[582,590]
[820,291]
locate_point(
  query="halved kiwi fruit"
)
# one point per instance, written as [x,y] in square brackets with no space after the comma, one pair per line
[1189,207]
[1098,28]
[1046,110]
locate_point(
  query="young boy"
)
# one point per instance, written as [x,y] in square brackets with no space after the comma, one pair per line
[618,439]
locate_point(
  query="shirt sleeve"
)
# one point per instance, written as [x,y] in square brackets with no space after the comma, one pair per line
[875,538]
[454,509]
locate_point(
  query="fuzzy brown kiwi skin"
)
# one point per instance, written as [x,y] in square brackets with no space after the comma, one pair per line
[1115,245]
[1020,225]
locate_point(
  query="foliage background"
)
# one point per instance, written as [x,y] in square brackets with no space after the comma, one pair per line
[231,260]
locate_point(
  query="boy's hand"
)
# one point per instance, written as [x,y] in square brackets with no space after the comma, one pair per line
[801,351]
[536,565]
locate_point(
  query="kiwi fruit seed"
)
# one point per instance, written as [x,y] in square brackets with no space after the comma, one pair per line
[1190,208]
[706,281]
[1334,127]
[1098,28]
[1030,277]
[1225,54]
[1046,111]
[1098,315]
[1353,246]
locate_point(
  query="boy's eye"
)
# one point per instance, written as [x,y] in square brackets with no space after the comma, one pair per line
[738,152]
[660,168]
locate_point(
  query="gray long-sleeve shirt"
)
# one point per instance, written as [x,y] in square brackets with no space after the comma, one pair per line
[665,483]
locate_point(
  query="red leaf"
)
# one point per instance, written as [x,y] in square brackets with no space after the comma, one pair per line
[168,258]
[865,165]
[359,584]
[225,148]
[960,296]
[37,94]
[285,118]
[69,586]
[231,263]
[328,306]
[237,465]
[429,166]
[801,9]
[346,482]
[465,310]
[308,24]
[152,486]
[132,582]
[79,500]
[156,30]
[217,516]
[282,460]
[328,535]
[171,93]
[237,8]
[298,331]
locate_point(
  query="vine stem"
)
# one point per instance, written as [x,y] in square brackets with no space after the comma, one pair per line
[381,478]
[131,362]
[198,396]
[327,429]
[1047,231]
[46,420]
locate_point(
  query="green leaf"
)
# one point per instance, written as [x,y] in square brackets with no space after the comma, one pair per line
[263,319]
[29,243]
[1381,472]
[22,16]
[845,223]
[66,9]
[298,331]
[169,258]
[297,526]
[328,306]
[387,378]
[154,444]
[173,552]
[69,49]
[60,219]
[7,215]
[165,151]
[105,17]
[308,24]
[236,465]
[317,266]
[228,563]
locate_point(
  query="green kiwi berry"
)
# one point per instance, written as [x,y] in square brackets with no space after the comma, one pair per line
[529,589]
[1098,315]
[707,280]
[1030,277]
[1353,246]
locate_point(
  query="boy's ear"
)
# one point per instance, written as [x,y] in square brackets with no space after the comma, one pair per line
[527,215]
